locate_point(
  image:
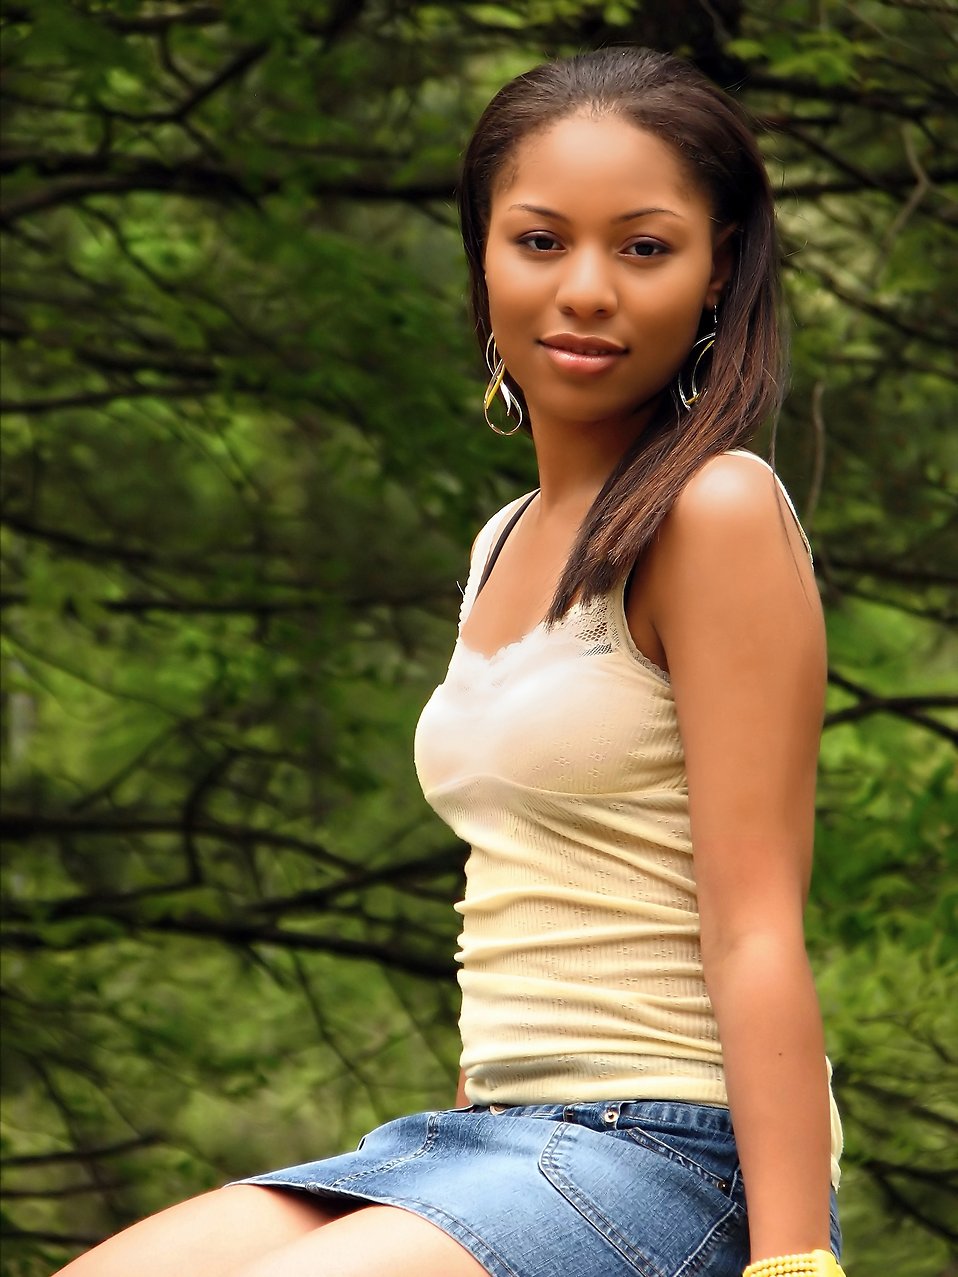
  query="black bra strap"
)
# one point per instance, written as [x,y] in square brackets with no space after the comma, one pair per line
[503,535]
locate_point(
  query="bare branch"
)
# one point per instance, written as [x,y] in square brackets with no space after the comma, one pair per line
[910,707]
[818,468]
[241,934]
[23,826]
[812,90]
[193,15]
[78,545]
[79,1154]
[68,1190]
[887,183]
[885,315]
[48,1237]
[889,571]
[96,398]
[925,6]
[203,181]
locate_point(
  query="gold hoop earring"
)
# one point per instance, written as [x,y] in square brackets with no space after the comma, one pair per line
[703,346]
[497,385]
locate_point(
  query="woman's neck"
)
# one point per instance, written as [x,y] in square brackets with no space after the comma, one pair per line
[575,459]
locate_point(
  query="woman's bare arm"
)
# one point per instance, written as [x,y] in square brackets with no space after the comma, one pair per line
[461,1097]
[733,599]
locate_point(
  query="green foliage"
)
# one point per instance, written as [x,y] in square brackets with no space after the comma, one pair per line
[243,460]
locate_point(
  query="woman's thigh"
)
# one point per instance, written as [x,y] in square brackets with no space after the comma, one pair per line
[209,1236]
[375,1241]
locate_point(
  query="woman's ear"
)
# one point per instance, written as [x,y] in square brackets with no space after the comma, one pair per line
[723,263]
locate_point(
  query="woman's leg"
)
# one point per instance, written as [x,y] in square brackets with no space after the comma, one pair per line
[208,1236]
[376,1241]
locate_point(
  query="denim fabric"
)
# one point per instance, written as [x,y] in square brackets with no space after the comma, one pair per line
[605,1189]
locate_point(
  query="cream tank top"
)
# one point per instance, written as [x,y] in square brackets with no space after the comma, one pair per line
[559,762]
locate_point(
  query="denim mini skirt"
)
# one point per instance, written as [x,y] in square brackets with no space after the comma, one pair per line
[604,1189]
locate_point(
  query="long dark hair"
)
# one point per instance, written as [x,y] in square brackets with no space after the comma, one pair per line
[744,379]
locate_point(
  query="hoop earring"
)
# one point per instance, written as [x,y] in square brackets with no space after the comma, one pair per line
[497,385]
[703,346]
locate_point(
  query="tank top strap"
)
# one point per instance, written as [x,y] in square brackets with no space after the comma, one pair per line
[744,452]
[517,513]
[489,540]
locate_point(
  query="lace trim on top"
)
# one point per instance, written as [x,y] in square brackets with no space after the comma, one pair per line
[600,626]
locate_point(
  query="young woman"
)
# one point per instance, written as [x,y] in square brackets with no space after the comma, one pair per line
[627,737]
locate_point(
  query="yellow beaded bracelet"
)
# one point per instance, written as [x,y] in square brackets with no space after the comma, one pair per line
[814,1263]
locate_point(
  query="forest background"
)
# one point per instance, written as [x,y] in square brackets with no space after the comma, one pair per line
[244,458]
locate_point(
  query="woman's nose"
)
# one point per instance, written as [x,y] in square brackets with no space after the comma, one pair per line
[586,286]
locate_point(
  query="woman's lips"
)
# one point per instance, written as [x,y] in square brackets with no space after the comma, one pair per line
[579,361]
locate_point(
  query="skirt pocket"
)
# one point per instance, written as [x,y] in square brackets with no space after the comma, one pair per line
[709,1154]
[666,1218]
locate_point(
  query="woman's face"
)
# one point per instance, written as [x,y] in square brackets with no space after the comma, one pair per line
[600,258]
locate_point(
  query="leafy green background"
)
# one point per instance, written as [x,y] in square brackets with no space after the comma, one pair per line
[243,461]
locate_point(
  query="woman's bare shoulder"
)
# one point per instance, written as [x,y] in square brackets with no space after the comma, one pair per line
[734,504]
[729,551]
[730,484]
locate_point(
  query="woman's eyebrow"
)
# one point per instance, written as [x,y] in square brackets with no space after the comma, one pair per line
[561,217]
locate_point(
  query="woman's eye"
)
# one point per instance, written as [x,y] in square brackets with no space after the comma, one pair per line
[539,242]
[645,248]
